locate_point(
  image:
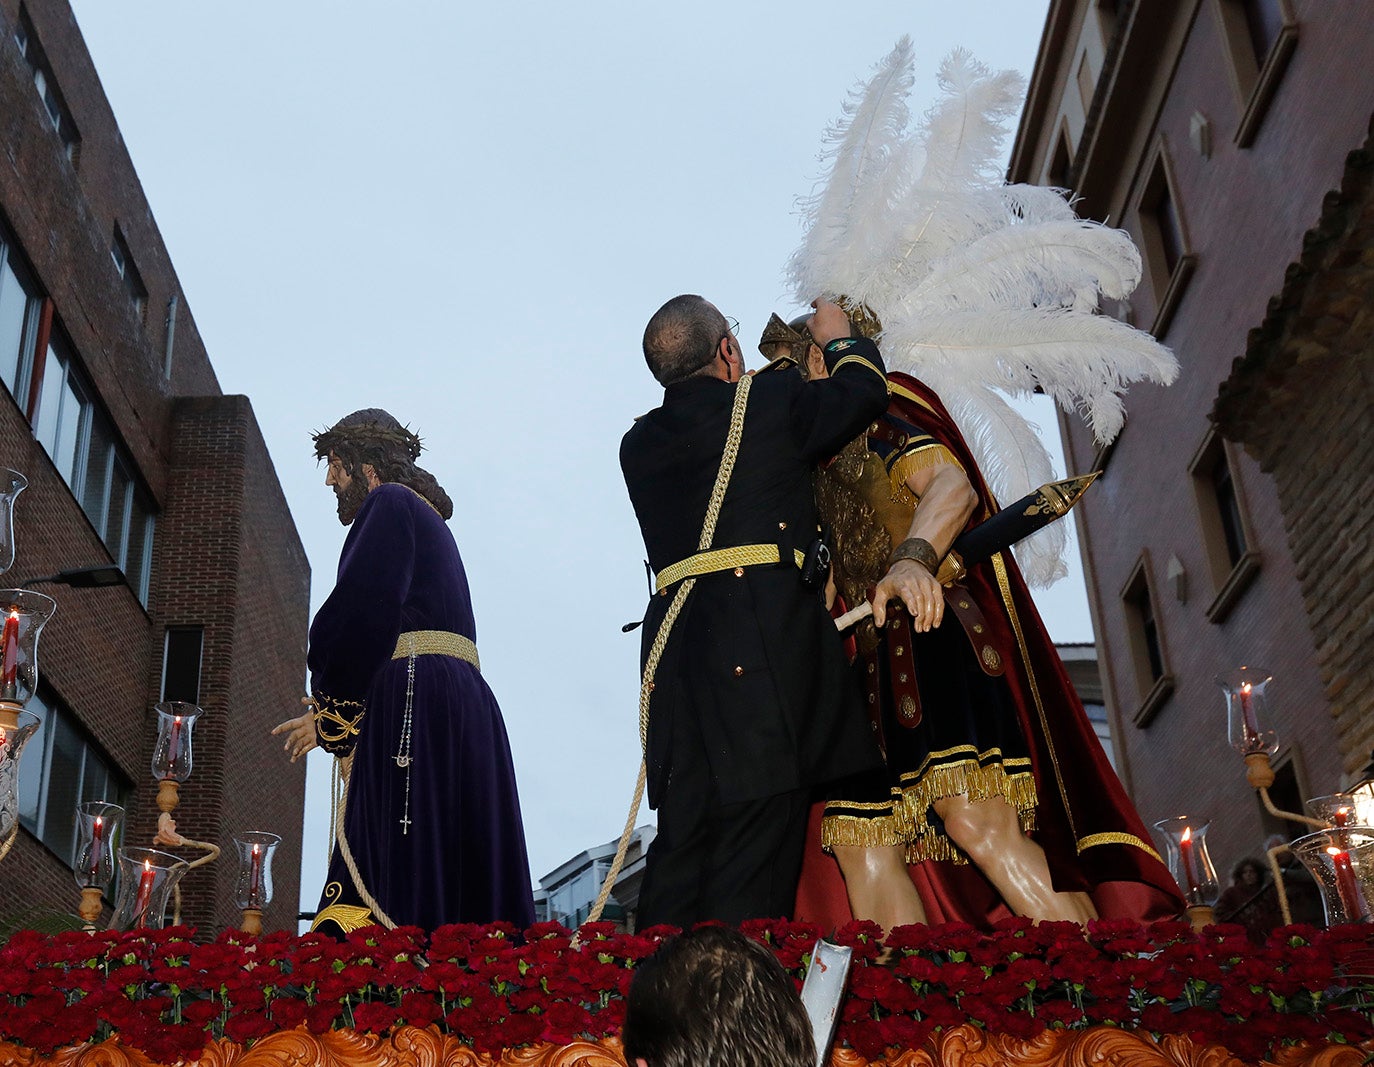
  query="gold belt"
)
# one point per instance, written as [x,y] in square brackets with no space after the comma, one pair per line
[436,643]
[722,559]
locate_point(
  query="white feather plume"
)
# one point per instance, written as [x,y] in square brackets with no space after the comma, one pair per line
[983,288]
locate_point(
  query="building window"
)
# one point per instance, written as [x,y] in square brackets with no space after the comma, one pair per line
[1154,683]
[133,281]
[1061,162]
[1226,539]
[1169,261]
[181,663]
[1258,38]
[81,441]
[61,768]
[46,85]
[20,307]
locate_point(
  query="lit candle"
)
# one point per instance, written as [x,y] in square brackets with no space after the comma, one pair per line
[9,659]
[1247,713]
[1352,900]
[1341,816]
[1185,852]
[255,878]
[145,894]
[97,848]
[174,747]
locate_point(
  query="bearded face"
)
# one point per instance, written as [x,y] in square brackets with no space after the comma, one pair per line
[350,488]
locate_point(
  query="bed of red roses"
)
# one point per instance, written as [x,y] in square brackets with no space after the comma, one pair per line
[167,994]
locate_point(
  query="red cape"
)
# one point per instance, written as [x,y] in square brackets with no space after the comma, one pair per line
[1090,831]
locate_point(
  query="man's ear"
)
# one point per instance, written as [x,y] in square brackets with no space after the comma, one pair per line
[370,476]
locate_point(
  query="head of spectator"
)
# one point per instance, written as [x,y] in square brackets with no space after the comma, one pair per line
[714,998]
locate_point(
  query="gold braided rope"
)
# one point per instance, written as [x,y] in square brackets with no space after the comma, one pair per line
[722,559]
[9,841]
[646,687]
[344,766]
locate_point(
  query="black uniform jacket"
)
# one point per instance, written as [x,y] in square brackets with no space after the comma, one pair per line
[753,681]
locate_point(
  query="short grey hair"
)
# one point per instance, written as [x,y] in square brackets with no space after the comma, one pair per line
[681,338]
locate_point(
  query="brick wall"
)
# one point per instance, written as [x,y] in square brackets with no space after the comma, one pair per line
[226,553]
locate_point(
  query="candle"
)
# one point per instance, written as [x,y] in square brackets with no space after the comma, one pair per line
[1341,816]
[1352,900]
[174,747]
[1185,852]
[9,659]
[255,878]
[145,894]
[1247,713]
[97,848]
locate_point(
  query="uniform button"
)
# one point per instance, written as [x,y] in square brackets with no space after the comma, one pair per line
[901,650]
[663,592]
[739,671]
[871,698]
[782,526]
[873,725]
[872,667]
[739,572]
[901,677]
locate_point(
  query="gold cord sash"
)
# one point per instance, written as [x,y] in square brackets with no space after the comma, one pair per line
[436,643]
[722,559]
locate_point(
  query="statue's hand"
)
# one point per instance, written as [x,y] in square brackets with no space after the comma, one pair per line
[300,731]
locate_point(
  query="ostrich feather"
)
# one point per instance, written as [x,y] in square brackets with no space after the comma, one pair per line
[866,149]
[1081,360]
[1035,265]
[963,132]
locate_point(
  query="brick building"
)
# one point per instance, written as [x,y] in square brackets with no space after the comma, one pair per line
[134,457]
[1217,133]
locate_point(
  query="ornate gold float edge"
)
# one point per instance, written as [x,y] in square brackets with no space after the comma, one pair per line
[964,1046]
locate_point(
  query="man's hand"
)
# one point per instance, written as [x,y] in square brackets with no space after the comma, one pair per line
[915,587]
[300,731]
[828,323]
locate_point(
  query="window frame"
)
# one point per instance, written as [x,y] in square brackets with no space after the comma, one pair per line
[1230,578]
[1254,79]
[1151,690]
[1167,283]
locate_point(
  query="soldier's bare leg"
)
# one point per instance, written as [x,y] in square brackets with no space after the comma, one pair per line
[879,886]
[989,833]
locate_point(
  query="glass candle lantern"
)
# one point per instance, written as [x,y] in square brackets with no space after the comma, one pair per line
[1247,717]
[172,752]
[1337,810]
[1342,863]
[25,613]
[97,825]
[1185,841]
[12,483]
[253,888]
[12,740]
[147,878]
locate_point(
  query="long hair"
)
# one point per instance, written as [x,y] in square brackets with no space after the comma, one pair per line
[374,436]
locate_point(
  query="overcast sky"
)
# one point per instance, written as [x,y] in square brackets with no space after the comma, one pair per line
[465,213]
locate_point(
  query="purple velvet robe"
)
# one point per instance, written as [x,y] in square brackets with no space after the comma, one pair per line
[462,857]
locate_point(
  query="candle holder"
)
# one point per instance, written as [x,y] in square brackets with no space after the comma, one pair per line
[1342,863]
[1336,811]
[97,825]
[253,888]
[171,763]
[25,613]
[13,737]
[147,879]
[1247,722]
[12,483]
[1190,863]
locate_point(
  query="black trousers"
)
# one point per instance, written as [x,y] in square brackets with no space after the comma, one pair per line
[726,862]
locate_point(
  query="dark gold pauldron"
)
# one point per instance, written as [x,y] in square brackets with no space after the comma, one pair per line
[337,722]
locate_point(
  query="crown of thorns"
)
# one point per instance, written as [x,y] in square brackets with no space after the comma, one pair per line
[366,433]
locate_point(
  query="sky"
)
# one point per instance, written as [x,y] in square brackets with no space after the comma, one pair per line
[465,213]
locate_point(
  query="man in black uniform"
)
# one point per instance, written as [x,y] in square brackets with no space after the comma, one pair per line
[749,704]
